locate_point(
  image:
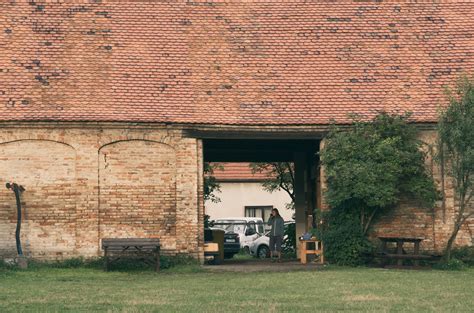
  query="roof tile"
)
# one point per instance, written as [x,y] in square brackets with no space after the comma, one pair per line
[229,62]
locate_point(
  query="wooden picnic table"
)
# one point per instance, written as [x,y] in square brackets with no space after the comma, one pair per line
[400,255]
[141,248]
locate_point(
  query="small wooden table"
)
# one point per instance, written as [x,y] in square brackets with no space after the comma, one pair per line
[400,254]
[115,248]
[304,250]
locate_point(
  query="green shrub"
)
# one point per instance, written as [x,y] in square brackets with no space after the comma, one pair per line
[123,264]
[177,260]
[465,254]
[72,263]
[6,266]
[289,244]
[344,242]
[452,265]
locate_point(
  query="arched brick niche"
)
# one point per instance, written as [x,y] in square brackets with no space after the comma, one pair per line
[137,190]
[47,170]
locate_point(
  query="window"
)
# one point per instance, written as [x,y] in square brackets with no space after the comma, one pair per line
[259,211]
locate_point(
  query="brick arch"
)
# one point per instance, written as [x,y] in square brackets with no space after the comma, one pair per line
[135,139]
[137,190]
[47,170]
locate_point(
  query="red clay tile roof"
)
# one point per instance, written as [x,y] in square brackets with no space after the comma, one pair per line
[238,172]
[236,62]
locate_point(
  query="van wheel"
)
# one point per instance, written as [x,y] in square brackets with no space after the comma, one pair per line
[263,252]
[247,250]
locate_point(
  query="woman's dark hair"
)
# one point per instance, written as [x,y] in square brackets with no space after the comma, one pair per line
[277,213]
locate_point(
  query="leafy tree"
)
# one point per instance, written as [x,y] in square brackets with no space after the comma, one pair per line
[211,186]
[456,137]
[281,176]
[373,164]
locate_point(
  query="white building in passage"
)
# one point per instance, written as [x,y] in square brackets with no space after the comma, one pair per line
[242,195]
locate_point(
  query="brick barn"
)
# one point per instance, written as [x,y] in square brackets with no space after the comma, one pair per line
[108,109]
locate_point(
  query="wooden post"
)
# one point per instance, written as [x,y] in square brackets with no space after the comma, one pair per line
[400,252]
[157,256]
[416,252]
[106,263]
[303,254]
[322,252]
[384,251]
[300,197]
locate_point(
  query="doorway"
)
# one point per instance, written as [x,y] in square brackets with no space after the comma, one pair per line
[302,154]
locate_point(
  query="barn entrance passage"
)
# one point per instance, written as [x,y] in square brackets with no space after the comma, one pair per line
[303,154]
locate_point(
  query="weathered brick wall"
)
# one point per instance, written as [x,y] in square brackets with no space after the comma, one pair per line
[47,170]
[84,183]
[137,190]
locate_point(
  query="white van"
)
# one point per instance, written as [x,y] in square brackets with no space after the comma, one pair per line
[248,228]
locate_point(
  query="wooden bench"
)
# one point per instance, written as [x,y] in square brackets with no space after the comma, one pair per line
[143,249]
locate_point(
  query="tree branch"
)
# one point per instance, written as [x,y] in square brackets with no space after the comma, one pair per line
[369,221]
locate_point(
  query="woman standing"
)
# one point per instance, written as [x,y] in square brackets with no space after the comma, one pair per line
[276,234]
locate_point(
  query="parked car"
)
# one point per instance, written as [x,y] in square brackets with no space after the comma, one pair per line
[231,244]
[260,247]
[219,244]
[248,229]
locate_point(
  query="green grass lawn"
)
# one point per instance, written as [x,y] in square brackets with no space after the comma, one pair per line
[332,289]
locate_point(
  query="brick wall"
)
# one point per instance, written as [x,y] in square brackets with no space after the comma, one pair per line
[47,170]
[137,190]
[84,183]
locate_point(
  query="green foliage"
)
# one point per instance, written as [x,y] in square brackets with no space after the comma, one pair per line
[67,263]
[456,150]
[6,266]
[208,222]
[344,242]
[281,176]
[211,186]
[123,264]
[168,262]
[452,264]
[373,164]
[464,254]
[289,244]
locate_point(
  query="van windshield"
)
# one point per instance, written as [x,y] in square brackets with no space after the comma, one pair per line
[238,226]
[231,226]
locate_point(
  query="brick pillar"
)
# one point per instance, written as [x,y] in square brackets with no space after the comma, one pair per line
[87,214]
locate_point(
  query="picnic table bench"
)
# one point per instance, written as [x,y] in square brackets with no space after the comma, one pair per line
[138,248]
[400,255]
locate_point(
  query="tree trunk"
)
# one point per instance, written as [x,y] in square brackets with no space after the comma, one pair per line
[369,221]
[457,226]
[449,246]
